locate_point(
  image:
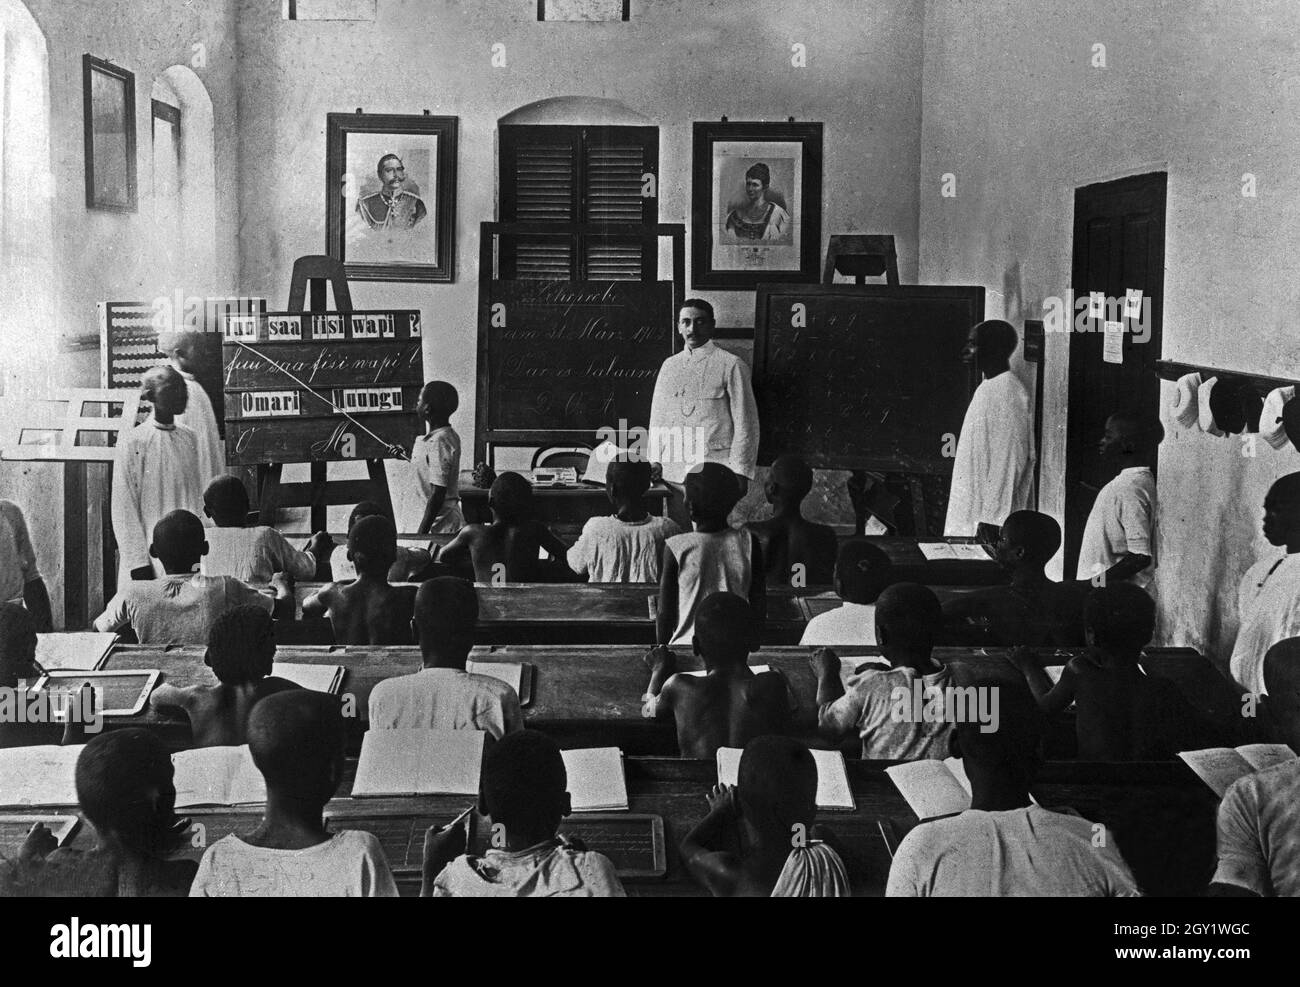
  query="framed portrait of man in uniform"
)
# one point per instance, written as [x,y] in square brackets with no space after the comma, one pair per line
[391,195]
[756,203]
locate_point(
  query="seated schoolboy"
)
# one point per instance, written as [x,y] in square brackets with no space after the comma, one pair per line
[125,788]
[907,619]
[408,563]
[442,695]
[368,610]
[787,538]
[20,578]
[241,650]
[1004,845]
[1259,817]
[769,816]
[862,571]
[297,740]
[1123,714]
[435,456]
[628,545]
[713,558]
[1032,610]
[252,555]
[181,607]
[524,793]
[507,549]
[728,706]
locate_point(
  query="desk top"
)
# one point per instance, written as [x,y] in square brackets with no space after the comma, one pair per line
[590,695]
[674,790]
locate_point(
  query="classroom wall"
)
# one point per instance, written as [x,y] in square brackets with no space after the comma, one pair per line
[675,62]
[1203,90]
[101,255]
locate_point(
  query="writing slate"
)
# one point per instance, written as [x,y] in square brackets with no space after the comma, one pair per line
[304,386]
[863,376]
[561,359]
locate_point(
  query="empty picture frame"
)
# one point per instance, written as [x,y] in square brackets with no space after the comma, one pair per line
[109,107]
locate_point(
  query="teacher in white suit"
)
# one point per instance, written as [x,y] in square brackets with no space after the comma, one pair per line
[703,410]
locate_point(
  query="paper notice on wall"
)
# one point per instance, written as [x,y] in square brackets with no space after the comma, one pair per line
[1112,350]
[1132,303]
[1096,305]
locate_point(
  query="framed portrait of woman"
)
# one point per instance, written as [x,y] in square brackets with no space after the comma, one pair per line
[756,203]
[390,192]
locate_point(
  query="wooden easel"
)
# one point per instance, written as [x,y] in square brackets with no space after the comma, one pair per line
[314,272]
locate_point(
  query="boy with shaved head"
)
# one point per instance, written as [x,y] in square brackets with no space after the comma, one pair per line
[788,539]
[368,610]
[182,606]
[507,547]
[1032,610]
[186,357]
[862,571]
[774,800]
[993,472]
[297,741]
[442,695]
[729,704]
[628,545]
[1259,817]
[1119,540]
[907,619]
[252,554]
[1268,600]
[155,470]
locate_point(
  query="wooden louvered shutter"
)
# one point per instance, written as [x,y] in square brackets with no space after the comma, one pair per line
[592,175]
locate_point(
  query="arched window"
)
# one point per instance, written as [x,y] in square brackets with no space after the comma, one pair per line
[184,180]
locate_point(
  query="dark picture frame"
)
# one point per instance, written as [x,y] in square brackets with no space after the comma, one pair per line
[738,241]
[108,109]
[408,234]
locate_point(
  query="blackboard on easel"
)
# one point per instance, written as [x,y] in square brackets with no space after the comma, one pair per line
[863,376]
[560,359]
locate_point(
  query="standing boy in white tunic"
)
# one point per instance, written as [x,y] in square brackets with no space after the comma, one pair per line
[155,471]
[199,418]
[1119,540]
[1268,599]
[993,472]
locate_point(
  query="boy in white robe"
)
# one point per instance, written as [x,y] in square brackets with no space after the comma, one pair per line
[155,471]
[769,815]
[1268,599]
[993,472]
[199,416]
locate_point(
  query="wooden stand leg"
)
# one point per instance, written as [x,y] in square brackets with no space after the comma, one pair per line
[268,492]
[379,480]
[319,512]
[76,557]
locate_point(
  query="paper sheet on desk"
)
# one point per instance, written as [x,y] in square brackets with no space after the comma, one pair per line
[82,651]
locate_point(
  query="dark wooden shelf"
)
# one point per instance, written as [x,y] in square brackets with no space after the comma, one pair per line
[1173,369]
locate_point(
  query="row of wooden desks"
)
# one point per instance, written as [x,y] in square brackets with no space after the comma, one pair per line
[589,613]
[666,799]
[590,696]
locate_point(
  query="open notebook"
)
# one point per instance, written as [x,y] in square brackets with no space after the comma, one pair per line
[596,779]
[41,775]
[516,674]
[934,788]
[318,678]
[217,776]
[943,551]
[1219,767]
[84,651]
[833,790]
[419,762]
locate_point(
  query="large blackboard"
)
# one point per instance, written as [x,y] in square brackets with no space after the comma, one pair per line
[304,386]
[560,359]
[863,376]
